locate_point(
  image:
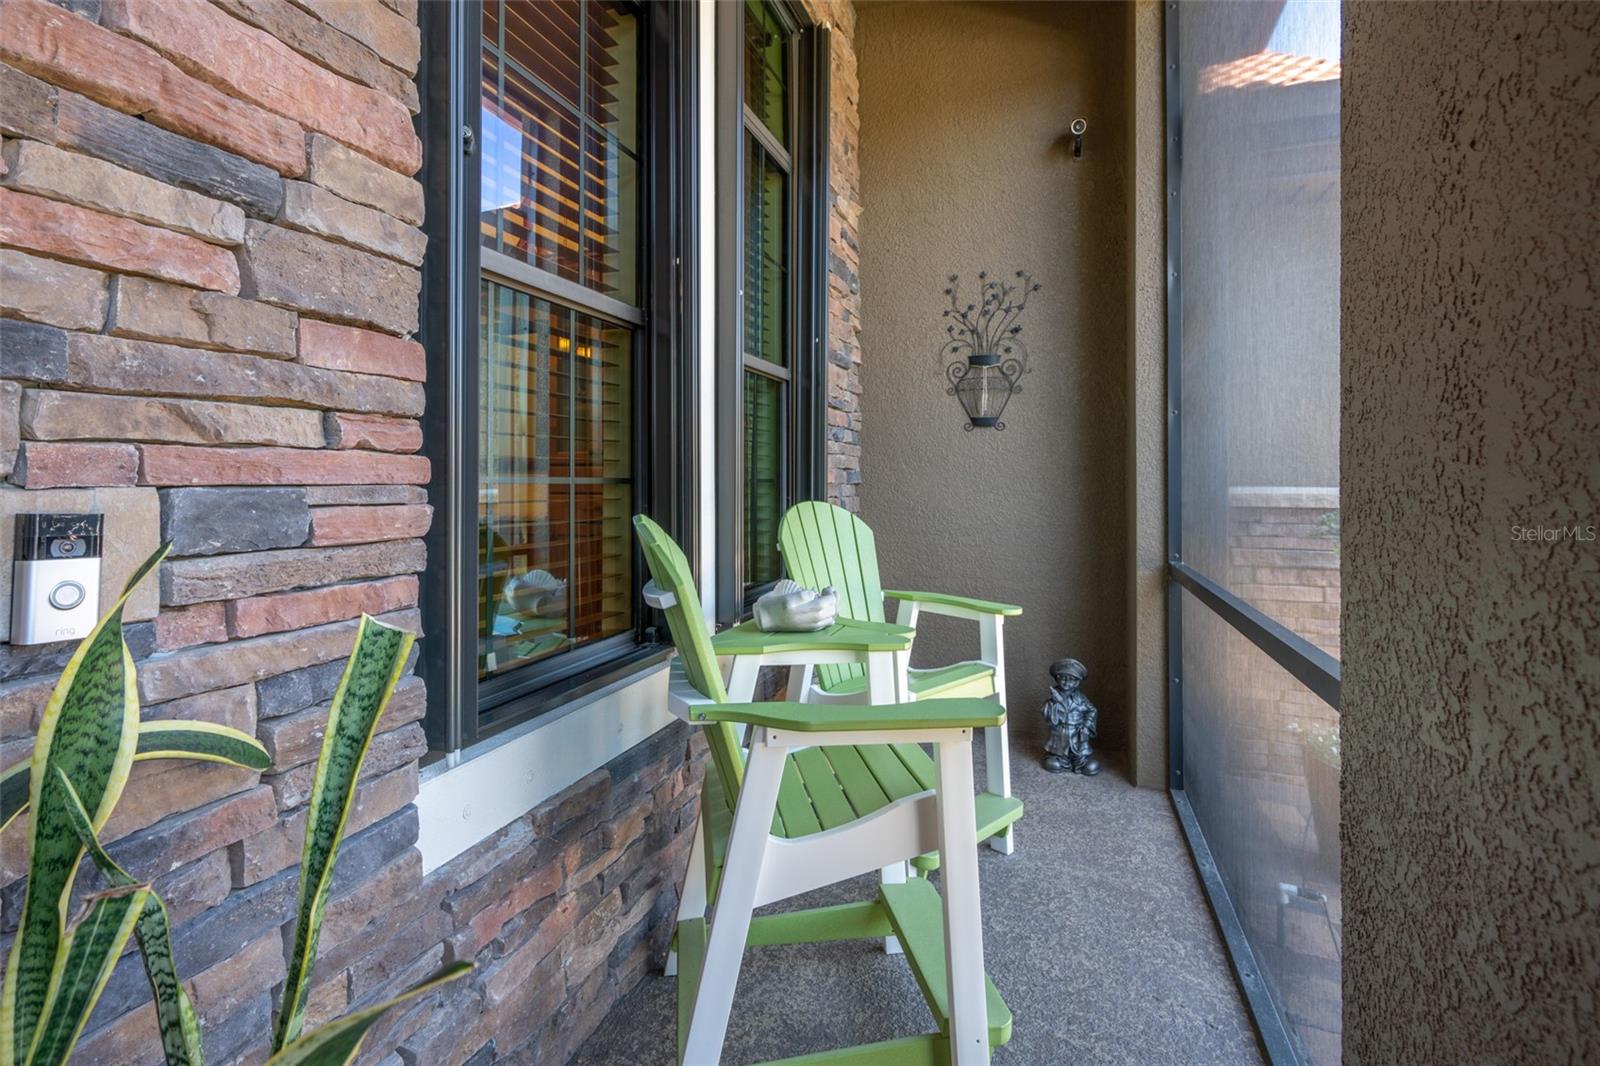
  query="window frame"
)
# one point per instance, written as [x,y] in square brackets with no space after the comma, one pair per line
[809,59]
[462,710]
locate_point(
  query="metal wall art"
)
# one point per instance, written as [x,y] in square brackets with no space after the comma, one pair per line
[987,357]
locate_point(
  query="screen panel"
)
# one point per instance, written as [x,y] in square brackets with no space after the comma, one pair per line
[1259,255]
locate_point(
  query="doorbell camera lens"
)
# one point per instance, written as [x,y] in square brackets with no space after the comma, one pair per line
[58,536]
[70,548]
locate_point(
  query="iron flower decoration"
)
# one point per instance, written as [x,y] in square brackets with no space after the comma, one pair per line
[987,357]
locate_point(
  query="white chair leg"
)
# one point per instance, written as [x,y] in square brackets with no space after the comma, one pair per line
[894,874]
[883,677]
[996,742]
[799,684]
[963,916]
[742,677]
[692,900]
[997,767]
[736,895]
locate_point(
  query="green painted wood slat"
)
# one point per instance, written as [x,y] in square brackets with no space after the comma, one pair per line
[918,762]
[890,773]
[863,790]
[794,805]
[832,806]
[918,916]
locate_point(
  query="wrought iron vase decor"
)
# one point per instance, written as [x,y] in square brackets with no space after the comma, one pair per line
[987,357]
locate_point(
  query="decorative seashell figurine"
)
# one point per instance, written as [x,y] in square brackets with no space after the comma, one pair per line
[790,607]
[536,594]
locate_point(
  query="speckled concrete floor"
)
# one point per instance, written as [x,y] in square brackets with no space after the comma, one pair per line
[1096,931]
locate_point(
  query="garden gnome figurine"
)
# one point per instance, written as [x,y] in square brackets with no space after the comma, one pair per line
[1073,722]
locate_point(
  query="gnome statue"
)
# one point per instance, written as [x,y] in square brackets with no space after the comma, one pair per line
[1073,722]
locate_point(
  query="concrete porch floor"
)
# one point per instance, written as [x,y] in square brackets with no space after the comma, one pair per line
[1096,931]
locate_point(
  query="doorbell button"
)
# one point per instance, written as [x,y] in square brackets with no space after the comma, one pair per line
[66,596]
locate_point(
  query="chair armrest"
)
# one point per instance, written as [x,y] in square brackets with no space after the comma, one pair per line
[746,638]
[932,601]
[836,718]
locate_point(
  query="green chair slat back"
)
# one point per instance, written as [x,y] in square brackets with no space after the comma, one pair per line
[825,545]
[692,636]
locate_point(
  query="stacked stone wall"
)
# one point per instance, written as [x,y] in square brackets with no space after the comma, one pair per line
[210,240]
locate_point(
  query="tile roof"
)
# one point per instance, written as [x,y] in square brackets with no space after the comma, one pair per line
[1268,68]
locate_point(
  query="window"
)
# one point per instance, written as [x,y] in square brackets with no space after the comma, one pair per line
[559,188]
[772,149]
[559,165]
[1253,610]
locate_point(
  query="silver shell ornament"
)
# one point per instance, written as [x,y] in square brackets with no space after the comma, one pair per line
[536,594]
[790,607]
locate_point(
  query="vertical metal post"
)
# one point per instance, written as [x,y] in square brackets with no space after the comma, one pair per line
[1174,597]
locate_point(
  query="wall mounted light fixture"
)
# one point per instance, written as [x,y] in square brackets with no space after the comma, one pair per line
[987,357]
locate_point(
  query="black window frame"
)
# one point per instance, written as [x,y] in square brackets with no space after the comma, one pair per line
[461,709]
[809,58]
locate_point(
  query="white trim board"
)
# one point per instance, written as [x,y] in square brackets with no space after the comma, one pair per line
[488,790]
[706,172]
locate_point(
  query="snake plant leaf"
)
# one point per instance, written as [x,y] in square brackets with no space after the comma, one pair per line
[89,950]
[13,792]
[369,680]
[205,741]
[175,1016]
[336,1043]
[89,730]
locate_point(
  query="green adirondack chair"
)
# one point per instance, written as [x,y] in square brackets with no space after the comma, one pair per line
[824,794]
[825,545]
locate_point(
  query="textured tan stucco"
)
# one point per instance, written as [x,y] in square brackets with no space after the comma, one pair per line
[1471,406]
[1146,375]
[967,165]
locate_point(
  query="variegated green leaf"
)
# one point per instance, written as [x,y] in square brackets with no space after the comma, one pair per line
[180,1028]
[200,740]
[89,731]
[369,680]
[337,1043]
[13,792]
[89,950]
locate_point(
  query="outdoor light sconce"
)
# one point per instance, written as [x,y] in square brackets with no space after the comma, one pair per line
[987,357]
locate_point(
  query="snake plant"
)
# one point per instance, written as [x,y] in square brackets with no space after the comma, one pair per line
[364,690]
[87,742]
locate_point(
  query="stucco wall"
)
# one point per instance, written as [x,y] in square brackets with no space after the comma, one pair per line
[966,166]
[1471,403]
[1147,410]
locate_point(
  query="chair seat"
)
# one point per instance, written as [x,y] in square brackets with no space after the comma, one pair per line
[827,787]
[941,682]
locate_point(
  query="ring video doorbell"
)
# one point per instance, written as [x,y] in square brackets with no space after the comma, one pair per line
[55,577]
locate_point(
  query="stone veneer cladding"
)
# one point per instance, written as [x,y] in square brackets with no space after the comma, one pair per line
[844,256]
[207,291]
